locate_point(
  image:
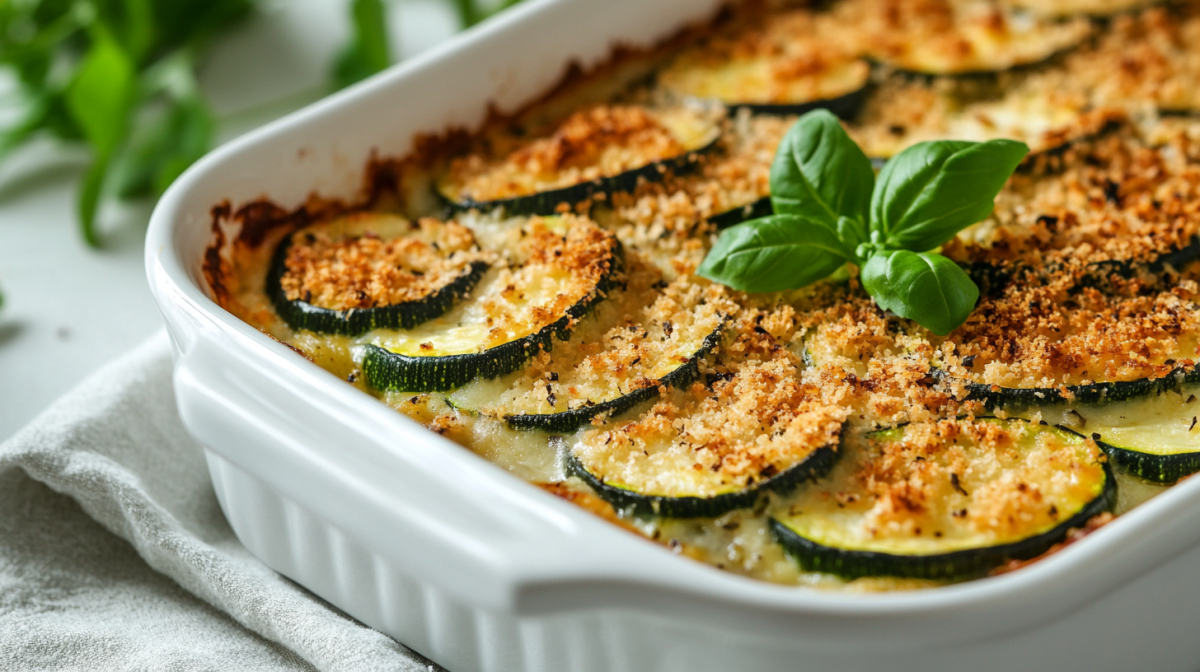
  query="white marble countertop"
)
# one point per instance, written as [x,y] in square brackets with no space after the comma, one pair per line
[68,309]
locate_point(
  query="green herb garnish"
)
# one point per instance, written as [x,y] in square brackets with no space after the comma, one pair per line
[831,210]
[118,76]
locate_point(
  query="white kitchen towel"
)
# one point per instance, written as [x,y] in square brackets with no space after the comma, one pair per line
[75,597]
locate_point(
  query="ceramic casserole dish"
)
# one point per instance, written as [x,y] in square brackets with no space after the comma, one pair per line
[478,570]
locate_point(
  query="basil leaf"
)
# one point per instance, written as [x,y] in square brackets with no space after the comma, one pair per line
[933,190]
[774,253]
[852,234]
[820,173]
[367,52]
[927,288]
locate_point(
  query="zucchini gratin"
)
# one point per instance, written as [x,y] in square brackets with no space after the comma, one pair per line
[529,290]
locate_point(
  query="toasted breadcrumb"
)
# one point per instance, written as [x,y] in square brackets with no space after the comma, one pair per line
[1060,334]
[1110,198]
[366,270]
[598,142]
[1001,481]
[757,420]
[581,257]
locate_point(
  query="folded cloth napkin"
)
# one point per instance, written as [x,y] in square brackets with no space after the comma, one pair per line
[75,597]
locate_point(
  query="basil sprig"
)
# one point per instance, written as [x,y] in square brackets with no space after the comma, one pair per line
[831,210]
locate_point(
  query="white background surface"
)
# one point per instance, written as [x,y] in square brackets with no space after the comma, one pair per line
[68,309]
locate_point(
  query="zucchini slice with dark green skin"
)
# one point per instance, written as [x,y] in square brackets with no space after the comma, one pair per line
[947,500]
[731,185]
[1063,342]
[372,271]
[962,39]
[845,107]
[1156,437]
[625,498]
[559,268]
[760,208]
[604,373]
[763,85]
[994,396]
[708,451]
[598,151]
[1042,230]
[993,277]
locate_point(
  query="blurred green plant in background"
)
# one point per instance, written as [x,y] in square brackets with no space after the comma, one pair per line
[119,76]
[367,51]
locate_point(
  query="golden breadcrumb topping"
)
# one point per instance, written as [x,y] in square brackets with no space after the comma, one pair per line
[594,143]
[938,486]
[578,258]
[871,362]
[1038,108]
[372,267]
[736,175]
[1063,333]
[640,335]
[951,36]
[786,60]
[757,420]
[553,264]
[1109,198]
[1151,59]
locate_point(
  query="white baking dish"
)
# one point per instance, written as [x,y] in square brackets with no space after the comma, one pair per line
[467,564]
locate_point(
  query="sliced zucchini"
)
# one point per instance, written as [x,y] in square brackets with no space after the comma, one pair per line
[1112,206]
[700,454]
[1155,437]
[558,268]
[646,349]
[905,111]
[1041,345]
[1060,8]
[596,151]
[1150,257]
[944,37]
[785,67]
[732,184]
[736,215]
[369,271]
[946,500]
